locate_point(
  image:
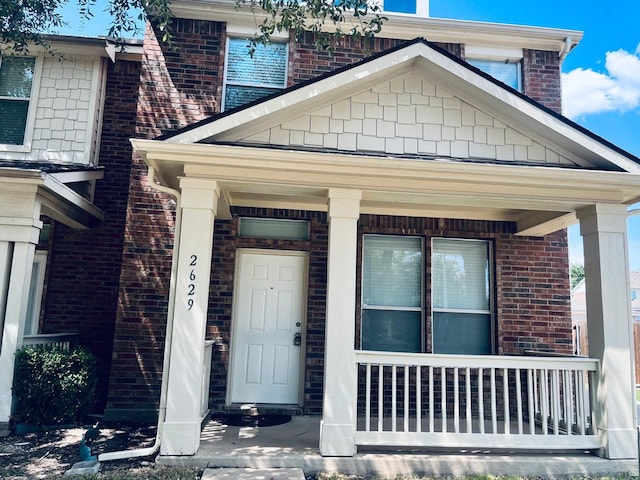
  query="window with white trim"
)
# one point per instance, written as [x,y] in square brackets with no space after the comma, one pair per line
[248,78]
[506,71]
[392,307]
[16,83]
[462,317]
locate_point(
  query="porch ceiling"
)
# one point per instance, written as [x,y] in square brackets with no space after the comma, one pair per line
[539,200]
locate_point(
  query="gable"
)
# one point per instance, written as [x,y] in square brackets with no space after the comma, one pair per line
[444,108]
[411,116]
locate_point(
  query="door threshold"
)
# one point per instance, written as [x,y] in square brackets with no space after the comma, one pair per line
[259,409]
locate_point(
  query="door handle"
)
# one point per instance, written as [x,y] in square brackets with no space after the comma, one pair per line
[297,339]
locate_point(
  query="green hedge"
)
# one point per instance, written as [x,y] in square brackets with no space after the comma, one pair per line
[53,386]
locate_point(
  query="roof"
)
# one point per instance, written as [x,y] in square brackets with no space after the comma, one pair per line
[456,143]
[426,58]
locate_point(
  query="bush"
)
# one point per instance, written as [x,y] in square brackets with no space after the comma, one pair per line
[52,385]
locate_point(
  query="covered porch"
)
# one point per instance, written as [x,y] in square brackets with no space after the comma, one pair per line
[453,146]
[526,403]
[295,445]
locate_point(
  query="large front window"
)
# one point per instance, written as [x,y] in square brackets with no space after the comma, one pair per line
[16,80]
[248,78]
[461,296]
[392,293]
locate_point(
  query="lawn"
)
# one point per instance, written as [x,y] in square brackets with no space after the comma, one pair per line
[168,473]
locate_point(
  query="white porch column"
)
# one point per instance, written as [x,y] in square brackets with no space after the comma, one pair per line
[181,433]
[337,429]
[18,240]
[604,232]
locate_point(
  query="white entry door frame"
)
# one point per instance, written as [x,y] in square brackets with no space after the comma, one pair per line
[267,344]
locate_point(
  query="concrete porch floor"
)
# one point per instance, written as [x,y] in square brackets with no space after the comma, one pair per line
[295,445]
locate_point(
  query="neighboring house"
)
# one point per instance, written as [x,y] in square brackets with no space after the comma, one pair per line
[381,235]
[579,319]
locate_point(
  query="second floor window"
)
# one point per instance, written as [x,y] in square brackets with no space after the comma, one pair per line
[16,80]
[248,78]
[506,71]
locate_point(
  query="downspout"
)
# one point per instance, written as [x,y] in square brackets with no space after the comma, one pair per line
[162,410]
[565,49]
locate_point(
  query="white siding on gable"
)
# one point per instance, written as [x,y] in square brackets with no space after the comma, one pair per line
[410,115]
[67,103]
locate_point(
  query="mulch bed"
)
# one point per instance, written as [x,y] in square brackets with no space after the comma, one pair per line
[48,454]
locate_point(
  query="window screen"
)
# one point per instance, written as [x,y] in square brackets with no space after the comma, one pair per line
[249,78]
[506,72]
[16,80]
[392,293]
[461,296]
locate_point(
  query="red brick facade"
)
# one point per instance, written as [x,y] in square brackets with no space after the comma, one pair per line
[179,85]
[541,78]
[84,265]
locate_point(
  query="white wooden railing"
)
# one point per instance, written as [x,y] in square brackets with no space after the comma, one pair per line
[475,401]
[61,340]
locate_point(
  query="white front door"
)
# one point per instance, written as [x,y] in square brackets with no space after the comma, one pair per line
[268,316]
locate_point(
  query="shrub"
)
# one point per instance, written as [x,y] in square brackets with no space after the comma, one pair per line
[52,385]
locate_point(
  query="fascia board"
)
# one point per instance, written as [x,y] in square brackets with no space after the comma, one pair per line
[161,153]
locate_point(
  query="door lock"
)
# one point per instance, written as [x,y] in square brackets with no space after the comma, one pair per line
[297,339]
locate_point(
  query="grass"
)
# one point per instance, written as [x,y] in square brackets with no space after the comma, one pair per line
[174,473]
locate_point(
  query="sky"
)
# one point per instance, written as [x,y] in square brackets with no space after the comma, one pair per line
[601,76]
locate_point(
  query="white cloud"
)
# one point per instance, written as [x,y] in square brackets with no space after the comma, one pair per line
[585,91]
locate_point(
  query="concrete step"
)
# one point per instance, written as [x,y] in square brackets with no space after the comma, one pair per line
[253,474]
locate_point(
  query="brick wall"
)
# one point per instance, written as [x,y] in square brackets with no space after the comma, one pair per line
[536,313]
[179,86]
[534,300]
[541,78]
[226,242]
[84,266]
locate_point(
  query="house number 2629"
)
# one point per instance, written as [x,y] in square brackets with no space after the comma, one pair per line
[191,286]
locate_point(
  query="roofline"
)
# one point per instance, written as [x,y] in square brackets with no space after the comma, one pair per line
[130,49]
[392,50]
[404,26]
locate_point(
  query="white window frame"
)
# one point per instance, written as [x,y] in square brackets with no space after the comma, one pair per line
[364,306]
[238,34]
[36,289]
[495,54]
[490,311]
[31,112]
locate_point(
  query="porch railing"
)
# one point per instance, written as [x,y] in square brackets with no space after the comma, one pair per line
[475,401]
[63,340]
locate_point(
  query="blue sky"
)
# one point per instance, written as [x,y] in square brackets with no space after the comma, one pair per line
[601,76]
